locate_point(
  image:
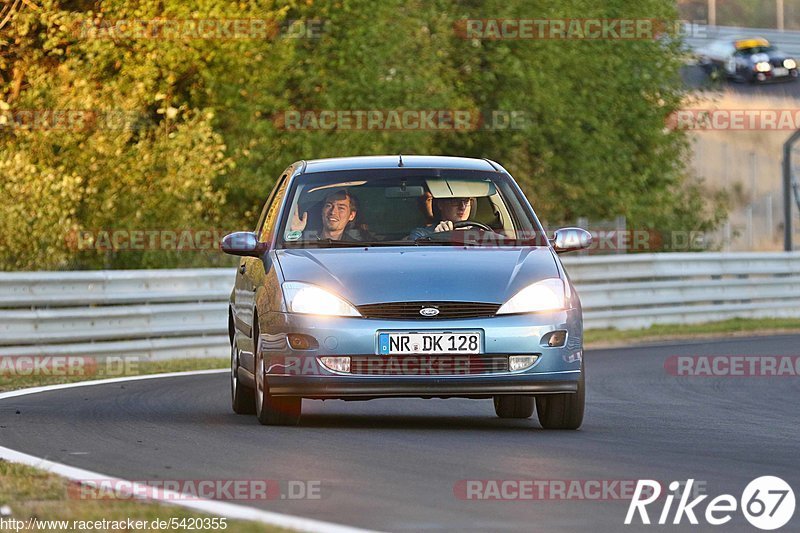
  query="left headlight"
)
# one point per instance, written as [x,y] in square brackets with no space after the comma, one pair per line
[312,300]
[544,295]
[789,63]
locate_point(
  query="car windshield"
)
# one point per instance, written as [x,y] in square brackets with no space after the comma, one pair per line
[757,50]
[403,208]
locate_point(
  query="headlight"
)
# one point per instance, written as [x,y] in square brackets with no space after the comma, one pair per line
[311,300]
[789,63]
[763,66]
[545,295]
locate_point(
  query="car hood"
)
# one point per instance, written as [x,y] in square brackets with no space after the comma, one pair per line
[410,274]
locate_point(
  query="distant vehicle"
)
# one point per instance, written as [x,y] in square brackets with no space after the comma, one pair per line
[747,59]
[350,289]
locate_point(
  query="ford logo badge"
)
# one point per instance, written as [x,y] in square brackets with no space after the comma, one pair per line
[429,311]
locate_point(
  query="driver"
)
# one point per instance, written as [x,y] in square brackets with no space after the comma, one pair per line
[451,210]
[339,209]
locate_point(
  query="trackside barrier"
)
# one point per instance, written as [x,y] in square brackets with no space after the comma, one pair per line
[164,314]
[635,291]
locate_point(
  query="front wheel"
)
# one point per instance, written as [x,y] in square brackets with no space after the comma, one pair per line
[243,399]
[513,406]
[272,410]
[563,411]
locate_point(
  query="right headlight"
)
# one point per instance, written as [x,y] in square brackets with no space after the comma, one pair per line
[763,66]
[311,300]
[544,295]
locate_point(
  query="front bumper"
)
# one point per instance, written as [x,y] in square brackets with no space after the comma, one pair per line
[769,76]
[299,372]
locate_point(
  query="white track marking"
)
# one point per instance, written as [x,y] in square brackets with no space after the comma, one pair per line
[219,508]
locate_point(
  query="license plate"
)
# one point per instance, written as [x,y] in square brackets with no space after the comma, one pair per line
[434,343]
[780,71]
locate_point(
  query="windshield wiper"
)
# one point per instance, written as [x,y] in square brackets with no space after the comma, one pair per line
[331,243]
[430,241]
[322,243]
[497,243]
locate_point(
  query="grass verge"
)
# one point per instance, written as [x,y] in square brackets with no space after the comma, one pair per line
[20,376]
[595,338]
[30,494]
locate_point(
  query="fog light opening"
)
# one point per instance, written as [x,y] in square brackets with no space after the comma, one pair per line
[521,362]
[298,341]
[554,339]
[336,363]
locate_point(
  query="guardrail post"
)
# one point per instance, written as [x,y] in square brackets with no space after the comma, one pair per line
[787,190]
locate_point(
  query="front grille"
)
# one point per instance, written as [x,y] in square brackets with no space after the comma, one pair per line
[428,365]
[411,310]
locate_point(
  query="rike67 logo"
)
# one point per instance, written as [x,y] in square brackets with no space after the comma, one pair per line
[767,503]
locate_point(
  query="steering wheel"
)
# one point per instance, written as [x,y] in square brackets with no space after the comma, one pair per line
[471,223]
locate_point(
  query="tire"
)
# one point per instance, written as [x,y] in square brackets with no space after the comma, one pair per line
[243,399]
[563,411]
[272,410]
[513,406]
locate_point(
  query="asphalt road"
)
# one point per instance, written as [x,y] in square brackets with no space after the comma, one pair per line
[392,465]
[694,78]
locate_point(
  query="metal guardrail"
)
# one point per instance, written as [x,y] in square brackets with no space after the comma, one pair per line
[699,36]
[636,291]
[155,314]
[161,314]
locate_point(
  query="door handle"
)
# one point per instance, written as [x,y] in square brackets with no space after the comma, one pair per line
[242,268]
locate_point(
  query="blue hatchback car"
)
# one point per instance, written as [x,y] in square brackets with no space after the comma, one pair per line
[404,276]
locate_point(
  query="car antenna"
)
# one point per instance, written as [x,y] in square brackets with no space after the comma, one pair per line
[401,160]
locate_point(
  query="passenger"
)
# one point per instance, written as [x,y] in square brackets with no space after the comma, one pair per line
[451,210]
[339,209]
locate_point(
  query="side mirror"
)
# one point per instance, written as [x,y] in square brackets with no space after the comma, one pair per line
[571,239]
[244,243]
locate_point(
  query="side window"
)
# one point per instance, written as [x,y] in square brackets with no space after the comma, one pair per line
[271,211]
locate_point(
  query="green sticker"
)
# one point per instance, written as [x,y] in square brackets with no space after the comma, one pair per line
[294,235]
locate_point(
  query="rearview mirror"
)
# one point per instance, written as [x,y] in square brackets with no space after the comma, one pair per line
[571,239]
[244,243]
[413,191]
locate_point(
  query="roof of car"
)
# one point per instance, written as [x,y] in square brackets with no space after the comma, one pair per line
[393,161]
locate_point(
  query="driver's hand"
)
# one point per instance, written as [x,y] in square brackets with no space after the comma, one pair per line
[298,222]
[444,225]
